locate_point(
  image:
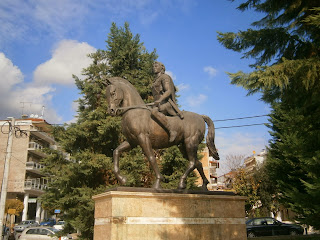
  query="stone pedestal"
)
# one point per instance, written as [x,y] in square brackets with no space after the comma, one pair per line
[128,214]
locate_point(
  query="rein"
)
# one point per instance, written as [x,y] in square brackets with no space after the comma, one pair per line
[143,106]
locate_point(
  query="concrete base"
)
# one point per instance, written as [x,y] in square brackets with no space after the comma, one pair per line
[134,215]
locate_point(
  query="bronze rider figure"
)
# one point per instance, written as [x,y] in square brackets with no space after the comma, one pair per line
[163,91]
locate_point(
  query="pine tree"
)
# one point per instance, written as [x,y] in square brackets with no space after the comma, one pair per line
[286,47]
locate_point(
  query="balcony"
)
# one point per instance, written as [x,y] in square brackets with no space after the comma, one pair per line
[36,148]
[42,135]
[214,163]
[34,167]
[35,185]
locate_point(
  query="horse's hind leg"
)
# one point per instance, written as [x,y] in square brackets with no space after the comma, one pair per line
[116,154]
[203,176]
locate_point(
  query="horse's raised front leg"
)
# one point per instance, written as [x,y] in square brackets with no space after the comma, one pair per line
[144,142]
[116,154]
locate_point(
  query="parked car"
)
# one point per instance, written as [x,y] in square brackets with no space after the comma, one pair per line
[41,233]
[59,225]
[268,226]
[48,222]
[25,224]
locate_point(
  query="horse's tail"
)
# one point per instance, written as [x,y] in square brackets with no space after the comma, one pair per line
[210,138]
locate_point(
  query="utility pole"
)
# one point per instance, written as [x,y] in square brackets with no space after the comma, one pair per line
[4,186]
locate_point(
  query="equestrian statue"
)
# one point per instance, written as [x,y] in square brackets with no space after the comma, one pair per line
[158,125]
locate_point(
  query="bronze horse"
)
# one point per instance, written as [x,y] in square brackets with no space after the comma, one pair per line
[140,129]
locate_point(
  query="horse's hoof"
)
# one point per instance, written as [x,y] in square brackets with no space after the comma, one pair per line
[157,185]
[122,180]
[204,188]
[182,186]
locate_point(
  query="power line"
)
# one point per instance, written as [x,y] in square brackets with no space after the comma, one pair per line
[24,163]
[230,119]
[219,120]
[246,125]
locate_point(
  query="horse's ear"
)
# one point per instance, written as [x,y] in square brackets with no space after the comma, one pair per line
[106,81]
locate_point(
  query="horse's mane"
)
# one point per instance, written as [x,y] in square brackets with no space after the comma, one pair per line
[119,81]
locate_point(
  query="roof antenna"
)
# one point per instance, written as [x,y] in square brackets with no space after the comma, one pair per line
[23,115]
[42,113]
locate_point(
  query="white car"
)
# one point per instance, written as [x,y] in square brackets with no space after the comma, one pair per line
[25,224]
[41,233]
[59,225]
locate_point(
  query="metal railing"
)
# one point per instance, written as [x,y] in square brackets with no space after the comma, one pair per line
[35,146]
[34,166]
[35,184]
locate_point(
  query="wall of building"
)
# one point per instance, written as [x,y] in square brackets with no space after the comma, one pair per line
[210,170]
[25,148]
[18,162]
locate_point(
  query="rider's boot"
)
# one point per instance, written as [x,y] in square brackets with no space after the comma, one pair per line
[161,118]
[173,135]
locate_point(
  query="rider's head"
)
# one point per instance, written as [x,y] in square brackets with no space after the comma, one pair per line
[159,65]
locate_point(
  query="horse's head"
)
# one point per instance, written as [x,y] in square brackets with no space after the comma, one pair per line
[121,93]
[114,97]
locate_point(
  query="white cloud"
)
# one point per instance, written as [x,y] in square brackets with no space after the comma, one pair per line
[10,74]
[69,57]
[211,71]
[56,13]
[195,101]
[17,96]
[145,10]
[31,20]
[74,106]
[182,87]
[15,91]
[171,75]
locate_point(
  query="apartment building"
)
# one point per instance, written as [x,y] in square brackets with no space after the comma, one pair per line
[26,181]
[210,166]
[254,161]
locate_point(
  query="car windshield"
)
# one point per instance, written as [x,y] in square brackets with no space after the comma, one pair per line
[25,222]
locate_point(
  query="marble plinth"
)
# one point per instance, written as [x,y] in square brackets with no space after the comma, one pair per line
[131,214]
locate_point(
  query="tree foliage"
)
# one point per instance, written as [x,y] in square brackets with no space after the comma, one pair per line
[245,185]
[257,186]
[15,204]
[268,191]
[285,45]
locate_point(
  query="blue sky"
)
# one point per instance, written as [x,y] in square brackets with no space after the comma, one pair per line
[44,42]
